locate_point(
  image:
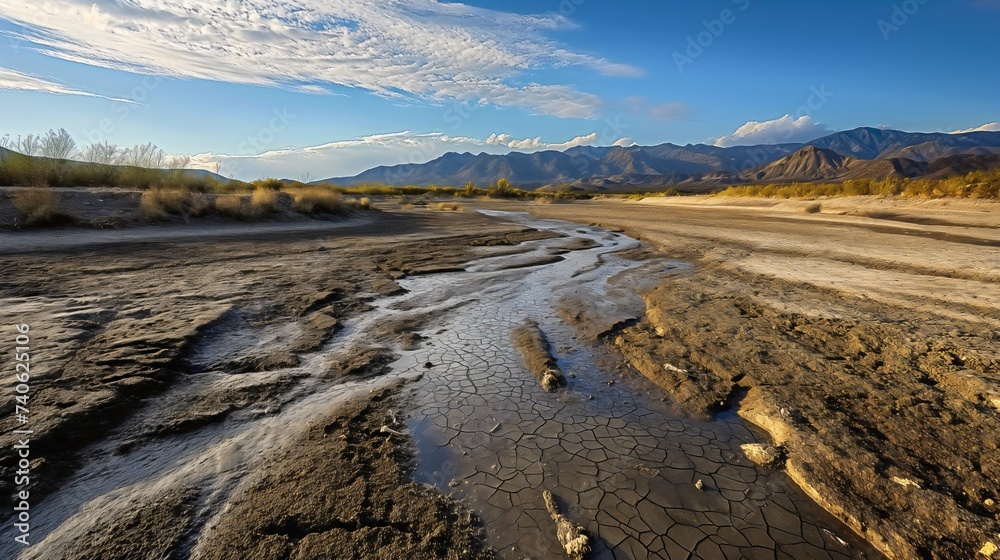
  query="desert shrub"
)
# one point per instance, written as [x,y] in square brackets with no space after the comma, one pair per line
[141,177]
[264,200]
[162,203]
[450,206]
[977,184]
[365,203]
[813,208]
[317,199]
[38,206]
[269,183]
[234,206]
[502,189]
[21,170]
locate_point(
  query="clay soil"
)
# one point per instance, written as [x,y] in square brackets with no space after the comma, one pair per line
[860,334]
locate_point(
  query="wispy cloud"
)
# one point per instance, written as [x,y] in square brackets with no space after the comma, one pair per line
[670,111]
[12,80]
[421,49]
[988,127]
[778,131]
[350,157]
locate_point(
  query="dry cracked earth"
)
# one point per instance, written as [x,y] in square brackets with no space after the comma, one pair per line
[359,392]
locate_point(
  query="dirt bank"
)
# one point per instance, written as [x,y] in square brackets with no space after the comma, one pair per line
[151,360]
[866,345]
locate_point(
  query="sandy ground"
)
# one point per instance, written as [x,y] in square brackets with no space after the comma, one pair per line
[350,388]
[862,337]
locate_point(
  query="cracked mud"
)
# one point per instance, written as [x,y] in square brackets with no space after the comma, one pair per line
[248,401]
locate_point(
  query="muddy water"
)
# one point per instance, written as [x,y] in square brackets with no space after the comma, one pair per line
[621,462]
[619,459]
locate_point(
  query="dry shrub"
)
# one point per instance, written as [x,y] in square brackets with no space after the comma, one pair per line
[232,205]
[38,206]
[450,206]
[813,208]
[162,203]
[264,200]
[317,199]
[409,206]
[365,203]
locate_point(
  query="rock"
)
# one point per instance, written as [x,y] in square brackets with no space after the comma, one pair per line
[699,485]
[764,455]
[905,482]
[989,549]
[573,537]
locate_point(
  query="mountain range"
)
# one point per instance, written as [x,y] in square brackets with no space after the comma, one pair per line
[860,153]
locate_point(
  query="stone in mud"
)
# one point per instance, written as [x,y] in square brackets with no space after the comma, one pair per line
[572,537]
[530,341]
[764,455]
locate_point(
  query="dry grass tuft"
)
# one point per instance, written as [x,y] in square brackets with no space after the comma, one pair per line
[264,200]
[232,205]
[813,208]
[450,206]
[38,206]
[317,199]
[159,204]
[365,203]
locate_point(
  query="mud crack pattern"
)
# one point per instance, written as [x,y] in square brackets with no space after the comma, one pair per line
[624,463]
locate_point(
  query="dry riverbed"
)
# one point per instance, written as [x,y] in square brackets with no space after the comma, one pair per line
[407,383]
[861,334]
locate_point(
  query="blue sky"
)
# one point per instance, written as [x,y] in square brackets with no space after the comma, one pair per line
[332,87]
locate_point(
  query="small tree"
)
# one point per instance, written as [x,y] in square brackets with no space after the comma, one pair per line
[29,145]
[144,155]
[56,147]
[103,161]
[57,144]
[502,189]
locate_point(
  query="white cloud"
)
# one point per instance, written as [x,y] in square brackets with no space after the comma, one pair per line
[624,142]
[777,131]
[422,49]
[534,144]
[988,127]
[350,157]
[12,80]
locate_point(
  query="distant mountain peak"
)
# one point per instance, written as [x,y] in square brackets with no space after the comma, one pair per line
[861,152]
